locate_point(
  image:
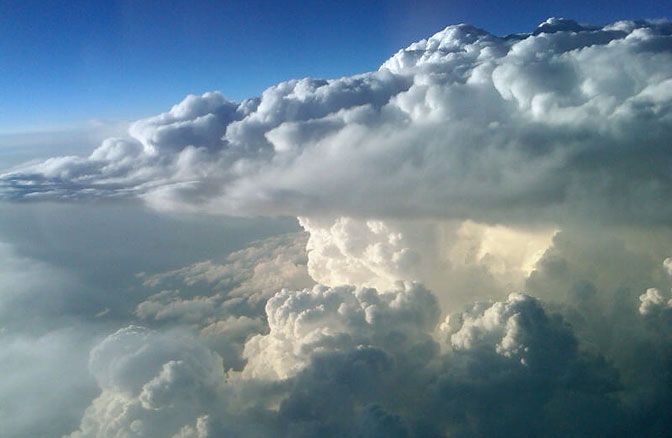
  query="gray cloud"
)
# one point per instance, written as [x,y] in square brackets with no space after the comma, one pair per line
[356,361]
[46,385]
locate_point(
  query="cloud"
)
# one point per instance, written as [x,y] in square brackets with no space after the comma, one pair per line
[152,384]
[357,361]
[47,385]
[448,281]
[653,303]
[239,285]
[332,319]
[565,123]
[459,261]
[517,344]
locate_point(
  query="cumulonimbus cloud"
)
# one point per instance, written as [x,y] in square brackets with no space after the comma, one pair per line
[568,121]
[393,175]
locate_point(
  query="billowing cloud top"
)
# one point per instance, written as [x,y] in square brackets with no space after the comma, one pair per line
[566,122]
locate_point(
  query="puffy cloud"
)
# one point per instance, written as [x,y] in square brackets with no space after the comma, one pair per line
[335,319]
[477,388]
[200,430]
[653,303]
[153,384]
[526,366]
[517,328]
[567,122]
[459,261]
[355,361]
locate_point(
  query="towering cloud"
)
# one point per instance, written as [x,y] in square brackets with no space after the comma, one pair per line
[457,260]
[485,219]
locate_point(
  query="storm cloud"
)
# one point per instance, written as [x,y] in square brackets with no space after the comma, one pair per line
[485,252]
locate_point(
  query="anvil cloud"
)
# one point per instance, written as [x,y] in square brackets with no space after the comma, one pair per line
[567,122]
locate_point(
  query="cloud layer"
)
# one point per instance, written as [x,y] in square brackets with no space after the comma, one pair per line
[567,122]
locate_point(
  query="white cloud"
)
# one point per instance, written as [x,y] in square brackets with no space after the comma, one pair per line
[153,384]
[568,122]
[652,302]
[459,261]
[325,319]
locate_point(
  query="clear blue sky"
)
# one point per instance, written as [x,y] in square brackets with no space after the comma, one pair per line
[63,62]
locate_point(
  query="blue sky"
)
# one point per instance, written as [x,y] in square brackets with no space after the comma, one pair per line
[64,63]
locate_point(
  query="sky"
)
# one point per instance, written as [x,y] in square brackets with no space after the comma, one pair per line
[64,64]
[460,232]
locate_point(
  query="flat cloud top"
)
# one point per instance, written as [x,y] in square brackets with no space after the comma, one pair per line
[566,122]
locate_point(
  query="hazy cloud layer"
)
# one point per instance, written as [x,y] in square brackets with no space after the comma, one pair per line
[566,122]
[68,279]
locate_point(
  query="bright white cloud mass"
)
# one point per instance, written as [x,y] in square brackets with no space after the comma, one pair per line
[569,121]
[485,252]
